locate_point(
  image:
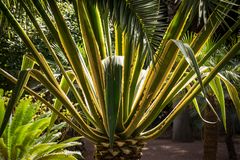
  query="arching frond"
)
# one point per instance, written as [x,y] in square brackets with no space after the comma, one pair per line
[141,18]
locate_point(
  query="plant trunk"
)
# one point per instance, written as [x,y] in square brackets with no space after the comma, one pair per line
[210,134]
[230,130]
[230,146]
[121,150]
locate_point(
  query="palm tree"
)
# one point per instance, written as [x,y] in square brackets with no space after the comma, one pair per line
[216,97]
[124,82]
[211,130]
[210,133]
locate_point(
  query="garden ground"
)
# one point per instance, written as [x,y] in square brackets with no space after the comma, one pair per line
[166,149]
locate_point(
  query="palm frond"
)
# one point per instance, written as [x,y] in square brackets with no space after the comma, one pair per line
[141,18]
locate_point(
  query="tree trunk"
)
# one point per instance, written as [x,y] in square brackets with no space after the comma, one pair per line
[182,131]
[230,146]
[230,130]
[121,150]
[210,134]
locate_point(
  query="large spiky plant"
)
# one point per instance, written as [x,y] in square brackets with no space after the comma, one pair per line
[130,73]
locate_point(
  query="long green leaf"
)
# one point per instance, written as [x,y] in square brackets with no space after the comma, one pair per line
[216,86]
[2,109]
[155,79]
[92,44]
[17,93]
[53,30]
[47,21]
[113,77]
[12,79]
[57,104]
[41,150]
[145,16]
[75,60]
[154,111]
[190,58]
[174,33]
[65,100]
[27,63]
[196,45]
[191,94]
[95,23]
[38,57]
[233,93]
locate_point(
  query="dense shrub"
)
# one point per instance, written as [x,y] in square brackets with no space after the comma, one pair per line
[12,50]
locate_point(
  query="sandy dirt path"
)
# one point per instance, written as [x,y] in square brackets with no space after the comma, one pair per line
[162,149]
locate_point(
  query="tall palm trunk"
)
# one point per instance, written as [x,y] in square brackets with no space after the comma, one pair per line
[230,131]
[210,133]
[121,150]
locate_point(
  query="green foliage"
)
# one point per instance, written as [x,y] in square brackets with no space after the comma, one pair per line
[11,52]
[12,48]
[127,81]
[25,136]
[220,85]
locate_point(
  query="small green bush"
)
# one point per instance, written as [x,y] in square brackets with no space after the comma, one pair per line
[26,138]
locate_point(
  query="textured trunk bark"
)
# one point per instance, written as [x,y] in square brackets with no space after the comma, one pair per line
[230,130]
[210,134]
[124,150]
[231,149]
